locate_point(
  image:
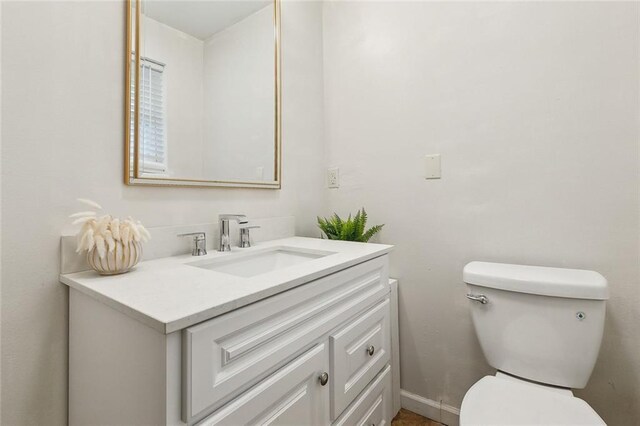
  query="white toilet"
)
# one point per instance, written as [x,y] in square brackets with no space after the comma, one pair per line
[542,329]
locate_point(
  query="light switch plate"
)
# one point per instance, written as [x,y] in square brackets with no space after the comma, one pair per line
[333,177]
[432,169]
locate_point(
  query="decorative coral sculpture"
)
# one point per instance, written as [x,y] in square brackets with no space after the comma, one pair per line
[113,245]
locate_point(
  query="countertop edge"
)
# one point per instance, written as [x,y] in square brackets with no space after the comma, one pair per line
[207,314]
[146,319]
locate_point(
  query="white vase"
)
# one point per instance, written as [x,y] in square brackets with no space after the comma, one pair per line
[120,260]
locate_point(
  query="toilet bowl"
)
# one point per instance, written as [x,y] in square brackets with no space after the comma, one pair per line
[505,400]
[541,328]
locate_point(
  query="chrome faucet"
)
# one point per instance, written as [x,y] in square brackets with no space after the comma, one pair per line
[224,228]
[199,243]
[245,238]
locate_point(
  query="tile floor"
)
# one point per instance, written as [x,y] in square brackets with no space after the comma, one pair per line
[408,418]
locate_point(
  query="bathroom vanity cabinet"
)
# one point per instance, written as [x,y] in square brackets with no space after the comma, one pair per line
[317,354]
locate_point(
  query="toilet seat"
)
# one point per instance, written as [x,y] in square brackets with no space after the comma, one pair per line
[506,400]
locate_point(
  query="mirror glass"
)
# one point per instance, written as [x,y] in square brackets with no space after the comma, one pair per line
[207,93]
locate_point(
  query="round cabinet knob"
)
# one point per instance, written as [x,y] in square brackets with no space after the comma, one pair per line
[371,350]
[324,378]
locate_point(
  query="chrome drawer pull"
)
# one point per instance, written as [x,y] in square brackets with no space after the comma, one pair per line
[478,298]
[324,378]
[371,350]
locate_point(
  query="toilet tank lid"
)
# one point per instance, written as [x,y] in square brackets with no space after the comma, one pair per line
[540,280]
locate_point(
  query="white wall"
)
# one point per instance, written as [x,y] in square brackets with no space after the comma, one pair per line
[183,57]
[238,117]
[0,213]
[63,137]
[534,108]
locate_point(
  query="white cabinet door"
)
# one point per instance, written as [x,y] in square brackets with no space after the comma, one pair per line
[291,396]
[236,350]
[358,352]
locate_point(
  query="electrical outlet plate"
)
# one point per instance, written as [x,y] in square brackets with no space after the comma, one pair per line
[333,177]
[432,169]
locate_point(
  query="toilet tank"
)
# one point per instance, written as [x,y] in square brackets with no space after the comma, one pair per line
[538,323]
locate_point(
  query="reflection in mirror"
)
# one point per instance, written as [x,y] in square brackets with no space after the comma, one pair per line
[207,94]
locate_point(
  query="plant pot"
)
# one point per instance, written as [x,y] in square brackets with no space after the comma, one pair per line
[120,260]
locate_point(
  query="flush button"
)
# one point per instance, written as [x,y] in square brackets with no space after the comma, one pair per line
[581,315]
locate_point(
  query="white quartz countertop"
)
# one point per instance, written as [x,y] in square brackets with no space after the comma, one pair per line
[168,294]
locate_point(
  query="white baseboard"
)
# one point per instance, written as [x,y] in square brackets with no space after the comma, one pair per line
[435,410]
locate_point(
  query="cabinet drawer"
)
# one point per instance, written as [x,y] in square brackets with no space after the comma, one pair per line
[373,406]
[291,396]
[358,352]
[226,355]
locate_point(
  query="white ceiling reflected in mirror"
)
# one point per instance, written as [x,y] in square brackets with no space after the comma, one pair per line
[203,93]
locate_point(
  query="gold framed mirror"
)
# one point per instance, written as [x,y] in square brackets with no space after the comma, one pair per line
[203,93]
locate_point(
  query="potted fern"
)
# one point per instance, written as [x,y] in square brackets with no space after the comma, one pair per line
[351,229]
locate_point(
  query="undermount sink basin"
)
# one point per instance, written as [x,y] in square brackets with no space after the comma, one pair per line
[261,262]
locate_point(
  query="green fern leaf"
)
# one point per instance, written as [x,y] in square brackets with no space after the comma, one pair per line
[370,233]
[351,229]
